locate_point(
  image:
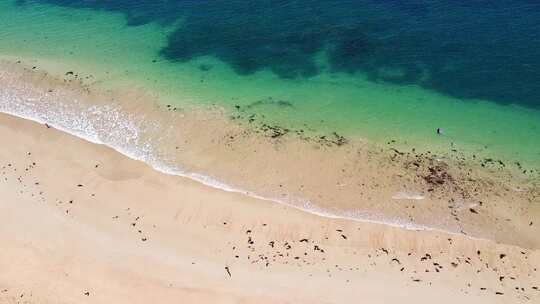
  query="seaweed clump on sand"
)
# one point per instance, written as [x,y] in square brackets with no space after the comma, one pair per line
[276,131]
[438,175]
[333,139]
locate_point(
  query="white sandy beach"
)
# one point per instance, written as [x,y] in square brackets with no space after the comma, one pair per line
[81,223]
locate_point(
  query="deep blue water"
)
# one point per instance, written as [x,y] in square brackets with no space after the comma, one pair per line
[466,49]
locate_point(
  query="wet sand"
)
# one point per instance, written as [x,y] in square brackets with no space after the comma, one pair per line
[82,223]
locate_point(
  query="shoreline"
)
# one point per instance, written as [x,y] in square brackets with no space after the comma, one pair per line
[100,225]
[205,142]
[210,182]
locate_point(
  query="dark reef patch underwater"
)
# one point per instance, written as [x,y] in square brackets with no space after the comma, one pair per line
[466,49]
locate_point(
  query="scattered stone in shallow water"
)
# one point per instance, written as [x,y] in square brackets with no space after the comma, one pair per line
[205,67]
[270,101]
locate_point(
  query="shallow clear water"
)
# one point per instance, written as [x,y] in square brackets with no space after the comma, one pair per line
[382,71]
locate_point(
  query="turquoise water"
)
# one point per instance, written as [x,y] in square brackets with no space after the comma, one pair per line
[324,65]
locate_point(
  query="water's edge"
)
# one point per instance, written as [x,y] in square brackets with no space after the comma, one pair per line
[209,181]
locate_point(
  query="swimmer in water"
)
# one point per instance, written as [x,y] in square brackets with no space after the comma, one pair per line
[439,131]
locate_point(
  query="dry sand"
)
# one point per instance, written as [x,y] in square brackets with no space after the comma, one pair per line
[81,223]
